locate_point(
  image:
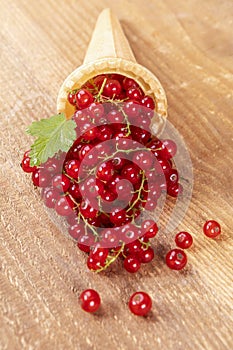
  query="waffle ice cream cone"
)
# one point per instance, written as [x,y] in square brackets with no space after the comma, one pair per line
[110,52]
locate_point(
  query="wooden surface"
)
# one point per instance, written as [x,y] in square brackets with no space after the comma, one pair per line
[188,45]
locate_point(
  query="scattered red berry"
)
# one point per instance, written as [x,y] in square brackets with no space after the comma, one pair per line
[211,228]
[90,300]
[140,303]
[184,240]
[83,98]
[131,264]
[176,259]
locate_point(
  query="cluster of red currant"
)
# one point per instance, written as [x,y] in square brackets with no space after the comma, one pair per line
[115,170]
[140,303]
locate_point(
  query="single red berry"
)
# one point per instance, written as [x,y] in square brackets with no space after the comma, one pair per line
[98,81]
[149,228]
[72,168]
[132,109]
[90,300]
[115,116]
[175,190]
[176,259]
[133,247]
[83,98]
[124,190]
[184,240]
[172,177]
[41,178]
[105,132]
[72,98]
[134,94]
[77,230]
[144,159]
[74,191]
[129,235]
[146,255]
[140,303]
[148,102]
[131,172]
[106,171]
[99,254]
[129,83]
[170,147]
[97,110]
[61,182]
[25,164]
[85,242]
[112,88]
[87,211]
[118,216]
[212,228]
[50,196]
[118,162]
[64,206]
[131,264]
[53,165]
[108,195]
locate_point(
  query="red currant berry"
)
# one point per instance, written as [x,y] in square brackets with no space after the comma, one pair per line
[97,110]
[176,259]
[90,300]
[74,191]
[61,182]
[131,172]
[72,98]
[148,102]
[99,254]
[112,88]
[108,195]
[87,211]
[133,245]
[211,228]
[170,147]
[140,303]
[146,256]
[50,196]
[77,230]
[134,94]
[105,132]
[129,235]
[149,228]
[109,238]
[118,217]
[64,206]
[105,171]
[115,117]
[25,164]
[132,109]
[41,178]
[83,98]
[129,83]
[172,177]
[175,190]
[85,242]
[144,159]
[72,168]
[98,81]
[53,165]
[132,264]
[184,240]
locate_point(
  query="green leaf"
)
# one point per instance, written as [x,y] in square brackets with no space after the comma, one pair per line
[53,134]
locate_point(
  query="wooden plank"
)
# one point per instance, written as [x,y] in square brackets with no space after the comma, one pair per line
[188,45]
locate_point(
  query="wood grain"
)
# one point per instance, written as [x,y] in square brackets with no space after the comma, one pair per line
[188,45]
